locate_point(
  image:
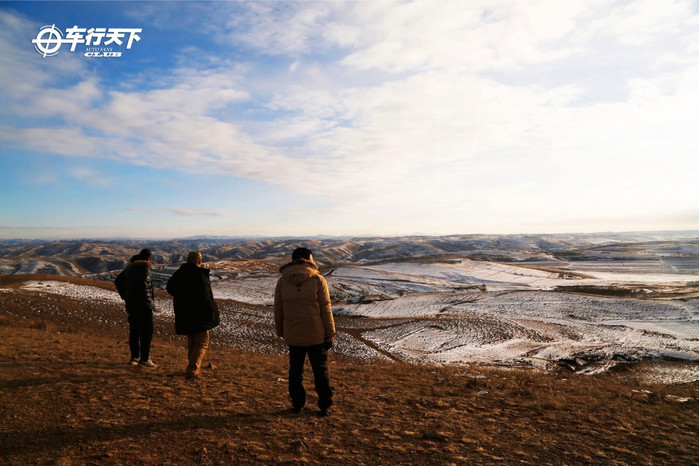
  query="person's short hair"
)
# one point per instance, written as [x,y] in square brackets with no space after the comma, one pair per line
[301,253]
[193,257]
[145,254]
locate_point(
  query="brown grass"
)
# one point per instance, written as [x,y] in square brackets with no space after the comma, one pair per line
[68,397]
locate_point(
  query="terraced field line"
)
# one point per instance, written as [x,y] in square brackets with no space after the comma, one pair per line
[357,334]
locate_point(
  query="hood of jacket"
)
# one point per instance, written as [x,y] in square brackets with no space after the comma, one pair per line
[140,264]
[299,271]
[191,268]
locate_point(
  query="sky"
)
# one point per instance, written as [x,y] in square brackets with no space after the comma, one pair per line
[349,118]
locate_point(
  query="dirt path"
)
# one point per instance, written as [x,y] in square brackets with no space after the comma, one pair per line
[67,396]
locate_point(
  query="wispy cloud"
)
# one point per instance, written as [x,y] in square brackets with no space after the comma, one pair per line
[91,177]
[32,228]
[200,213]
[278,28]
[41,179]
[183,212]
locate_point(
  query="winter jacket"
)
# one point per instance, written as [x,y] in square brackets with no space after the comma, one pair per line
[135,287]
[195,308]
[302,311]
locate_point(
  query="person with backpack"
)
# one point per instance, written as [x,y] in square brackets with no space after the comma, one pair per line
[303,317]
[196,312]
[135,287]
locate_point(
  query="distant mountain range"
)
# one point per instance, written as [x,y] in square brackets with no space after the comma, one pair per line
[85,257]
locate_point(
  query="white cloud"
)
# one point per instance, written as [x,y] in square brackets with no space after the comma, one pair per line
[452,116]
[341,34]
[24,72]
[469,36]
[639,22]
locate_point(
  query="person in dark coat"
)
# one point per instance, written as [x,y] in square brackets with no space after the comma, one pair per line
[136,289]
[196,311]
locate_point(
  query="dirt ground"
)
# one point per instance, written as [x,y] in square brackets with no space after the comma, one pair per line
[67,396]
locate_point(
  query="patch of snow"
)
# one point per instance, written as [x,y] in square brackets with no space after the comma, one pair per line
[251,289]
[468,272]
[74,291]
[667,374]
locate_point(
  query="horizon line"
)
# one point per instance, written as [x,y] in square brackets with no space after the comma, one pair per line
[340,236]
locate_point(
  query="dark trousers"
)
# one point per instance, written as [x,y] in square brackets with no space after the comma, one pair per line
[140,336]
[318,355]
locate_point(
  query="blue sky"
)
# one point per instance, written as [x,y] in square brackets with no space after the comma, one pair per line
[351,118]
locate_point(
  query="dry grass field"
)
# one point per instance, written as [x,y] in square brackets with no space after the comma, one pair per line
[67,396]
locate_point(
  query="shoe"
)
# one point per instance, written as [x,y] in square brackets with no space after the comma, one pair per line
[193,376]
[324,412]
[148,363]
[297,410]
[133,362]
